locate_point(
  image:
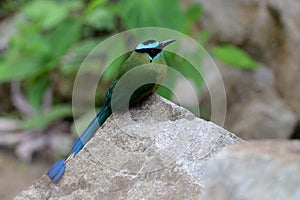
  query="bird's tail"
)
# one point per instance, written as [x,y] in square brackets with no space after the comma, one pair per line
[57,170]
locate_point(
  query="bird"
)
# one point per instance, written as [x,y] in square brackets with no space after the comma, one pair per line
[148,53]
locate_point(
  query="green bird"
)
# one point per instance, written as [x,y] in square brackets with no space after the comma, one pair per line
[149,56]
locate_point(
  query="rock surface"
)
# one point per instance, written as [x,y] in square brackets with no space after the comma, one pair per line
[156,151]
[269,31]
[268,170]
[255,109]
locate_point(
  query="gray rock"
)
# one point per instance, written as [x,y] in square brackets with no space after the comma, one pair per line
[156,151]
[254,109]
[256,170]
[286,60]
[268,30]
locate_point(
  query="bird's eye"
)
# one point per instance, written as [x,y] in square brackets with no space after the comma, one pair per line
[152,52]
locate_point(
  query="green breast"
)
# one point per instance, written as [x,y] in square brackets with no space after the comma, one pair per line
[136,79]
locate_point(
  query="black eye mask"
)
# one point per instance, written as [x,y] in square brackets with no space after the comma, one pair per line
[151,52]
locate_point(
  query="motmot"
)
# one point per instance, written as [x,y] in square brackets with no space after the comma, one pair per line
[148,53]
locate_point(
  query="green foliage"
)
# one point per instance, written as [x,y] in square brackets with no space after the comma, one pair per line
[234,56]
[35,91]
[102,19]
[77,53]
[54,37]
[46,13]
[8,6]
[140,13]
[157,13]
[194,12]
[183,67]
[48,31]
[61,39]
[204,36]
[94,5]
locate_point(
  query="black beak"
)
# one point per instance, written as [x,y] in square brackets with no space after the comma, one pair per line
[165,43]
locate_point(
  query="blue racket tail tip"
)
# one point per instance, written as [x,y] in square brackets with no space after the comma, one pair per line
[57,170]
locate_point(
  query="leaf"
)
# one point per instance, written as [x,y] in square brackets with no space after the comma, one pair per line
[101,19]
[47,13]
[61,39]
[142,13]
[234,56]
[115,65]
[43,120]
[25,56]
[204,37]
[76,54]
[194,12]
[28,42]
[33,54]
[185,69]
[93,5]
[113,68]
[19,68]
[35,92]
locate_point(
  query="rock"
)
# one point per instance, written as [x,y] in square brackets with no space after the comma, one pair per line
[156,151]
[255,170]
[268,30]
[286,61]
[254,108]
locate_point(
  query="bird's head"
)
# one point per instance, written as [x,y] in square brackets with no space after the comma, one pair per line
[152,49]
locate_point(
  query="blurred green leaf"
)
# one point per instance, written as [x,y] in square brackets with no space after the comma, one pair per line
[19,68]
[165,92]
[34,54]
[204,36]
[35,92]
[47,13]
[28,42]
[61,39]
[94,4]
[194,12]
[234,56]
[8,6]
[115,65]
[43,120]
[113,68]
[73,5]
[77,54]
[157,13]
[101,19]
[184,68]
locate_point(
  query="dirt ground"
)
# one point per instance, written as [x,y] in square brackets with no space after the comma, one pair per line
[16,176]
